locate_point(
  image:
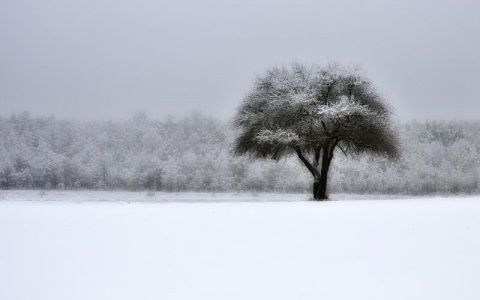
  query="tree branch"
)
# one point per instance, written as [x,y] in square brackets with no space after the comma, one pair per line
[334,144]
[345,153]
[324,127]
[306,162]
[317,155]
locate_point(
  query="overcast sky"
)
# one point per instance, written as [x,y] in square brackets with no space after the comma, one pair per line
[109,59]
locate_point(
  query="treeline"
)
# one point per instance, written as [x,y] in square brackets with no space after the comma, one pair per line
[194,154]
[189,154]
[436,158]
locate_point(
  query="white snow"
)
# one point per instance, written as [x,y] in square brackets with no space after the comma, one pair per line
[161,197]
[365,249]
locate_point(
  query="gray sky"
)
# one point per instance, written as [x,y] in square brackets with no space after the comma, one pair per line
[109,59]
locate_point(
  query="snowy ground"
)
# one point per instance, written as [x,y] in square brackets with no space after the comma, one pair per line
[161,197]
[122,196]
[395,249]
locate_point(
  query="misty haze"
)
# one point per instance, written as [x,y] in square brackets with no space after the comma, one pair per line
[239,149]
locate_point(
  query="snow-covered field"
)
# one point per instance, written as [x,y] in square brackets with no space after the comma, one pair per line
[76,248]
[122,196]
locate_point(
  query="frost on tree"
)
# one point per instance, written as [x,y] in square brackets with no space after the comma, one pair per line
[312,112]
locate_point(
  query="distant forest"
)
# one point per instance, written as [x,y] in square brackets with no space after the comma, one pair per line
[194,154]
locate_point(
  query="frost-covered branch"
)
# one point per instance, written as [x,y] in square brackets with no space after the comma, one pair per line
[285,137]
[343,108]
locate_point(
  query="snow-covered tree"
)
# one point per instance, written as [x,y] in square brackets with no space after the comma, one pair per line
[311,112]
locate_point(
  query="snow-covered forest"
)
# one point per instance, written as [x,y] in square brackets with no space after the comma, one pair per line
[194,154]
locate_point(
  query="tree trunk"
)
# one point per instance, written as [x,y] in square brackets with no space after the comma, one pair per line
[322,188]
[316,185]
[319,189]
[320,184]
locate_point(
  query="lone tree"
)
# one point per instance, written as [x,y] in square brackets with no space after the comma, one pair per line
[312,112]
